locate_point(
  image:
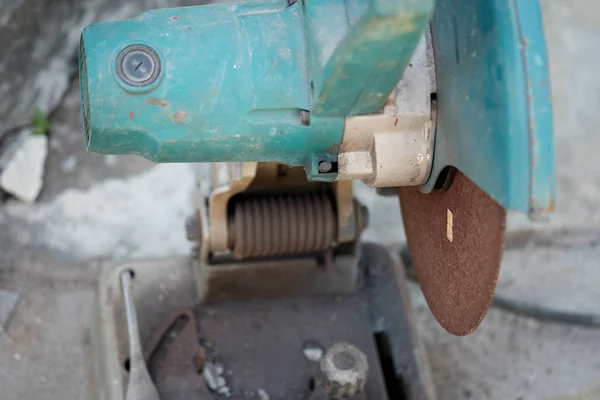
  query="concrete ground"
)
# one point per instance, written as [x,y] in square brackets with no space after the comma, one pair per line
[97,210]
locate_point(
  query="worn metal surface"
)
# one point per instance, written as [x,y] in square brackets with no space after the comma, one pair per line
[494,111]
[277,278]
[413,92]
[175,358]
[456,240]
[253,339]
[352,217]
[273,337]
[395,148]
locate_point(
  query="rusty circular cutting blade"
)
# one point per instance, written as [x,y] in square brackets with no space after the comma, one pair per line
[456,240]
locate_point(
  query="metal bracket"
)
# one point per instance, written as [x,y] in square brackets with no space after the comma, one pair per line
[395,148]
[220,273]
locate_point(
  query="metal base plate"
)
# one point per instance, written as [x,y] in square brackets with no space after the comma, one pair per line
[456,241]
[278,278]
[260,341]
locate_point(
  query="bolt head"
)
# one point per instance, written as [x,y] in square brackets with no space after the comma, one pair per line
[305,117]
[325,167]
[344,369]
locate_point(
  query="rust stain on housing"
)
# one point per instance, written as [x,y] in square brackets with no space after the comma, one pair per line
[154,101]
[179,117]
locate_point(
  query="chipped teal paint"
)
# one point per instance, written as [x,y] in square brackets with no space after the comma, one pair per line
[543,181]
[494,116]
[236,76]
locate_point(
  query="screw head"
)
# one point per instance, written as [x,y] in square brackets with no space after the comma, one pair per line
[305,117]
[325,167]
[138,65]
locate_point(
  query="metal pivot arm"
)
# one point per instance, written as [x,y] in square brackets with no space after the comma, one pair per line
[256,81]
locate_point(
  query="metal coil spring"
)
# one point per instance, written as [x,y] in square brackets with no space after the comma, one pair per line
[283,224]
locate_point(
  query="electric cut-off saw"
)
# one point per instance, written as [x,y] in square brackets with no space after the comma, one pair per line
[446,101]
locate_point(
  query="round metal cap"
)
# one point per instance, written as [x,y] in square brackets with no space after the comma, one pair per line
[344,370]
[138,65]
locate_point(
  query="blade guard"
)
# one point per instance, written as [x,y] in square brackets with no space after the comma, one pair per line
[494,125]
[494,120]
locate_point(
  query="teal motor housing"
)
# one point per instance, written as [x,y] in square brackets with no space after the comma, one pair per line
[275,80]
[265,80]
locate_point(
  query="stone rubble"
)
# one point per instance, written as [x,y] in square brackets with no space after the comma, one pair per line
[23,172]
[213,375]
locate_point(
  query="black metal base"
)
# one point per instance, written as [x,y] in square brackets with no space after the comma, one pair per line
[259,343]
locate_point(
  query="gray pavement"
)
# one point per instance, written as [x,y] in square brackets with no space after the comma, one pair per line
[98,210]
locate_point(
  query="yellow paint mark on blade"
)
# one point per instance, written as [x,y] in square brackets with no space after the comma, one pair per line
[449,225]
